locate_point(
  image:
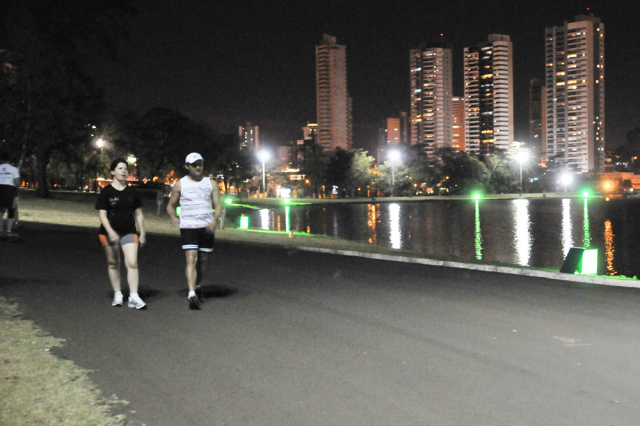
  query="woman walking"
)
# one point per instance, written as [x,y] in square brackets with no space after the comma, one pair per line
[120,209]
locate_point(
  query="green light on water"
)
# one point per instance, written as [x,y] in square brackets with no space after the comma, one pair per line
[288,220]
[478,233]
[585,226]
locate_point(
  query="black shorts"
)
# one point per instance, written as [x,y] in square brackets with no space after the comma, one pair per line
[8,193]
[197,239]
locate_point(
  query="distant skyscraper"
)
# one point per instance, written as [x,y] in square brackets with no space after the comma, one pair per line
[457,106]
[488,95]
[431,83]
[249,137]
[538,120]
[333,103]
[575,94]
[393,131]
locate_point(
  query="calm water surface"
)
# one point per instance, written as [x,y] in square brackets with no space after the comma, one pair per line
[521,232]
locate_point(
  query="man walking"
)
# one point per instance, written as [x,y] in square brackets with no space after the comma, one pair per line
[197,196]
[9,183]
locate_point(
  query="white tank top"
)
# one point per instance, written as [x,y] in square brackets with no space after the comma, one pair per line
[196,210]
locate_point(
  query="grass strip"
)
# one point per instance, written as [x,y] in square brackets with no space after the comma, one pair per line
[38,388]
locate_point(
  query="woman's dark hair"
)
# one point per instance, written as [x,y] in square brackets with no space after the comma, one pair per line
[115,163]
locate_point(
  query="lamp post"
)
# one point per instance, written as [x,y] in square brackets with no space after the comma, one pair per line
[522,156]
[100,144]
[263,155]
[393,156]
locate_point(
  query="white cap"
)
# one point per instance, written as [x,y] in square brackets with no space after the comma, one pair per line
[193,157]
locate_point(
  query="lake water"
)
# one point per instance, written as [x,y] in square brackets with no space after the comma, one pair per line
[525,232]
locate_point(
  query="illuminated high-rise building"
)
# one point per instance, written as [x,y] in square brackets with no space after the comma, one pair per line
[431,85]
[538,120]
[333,103]
[457,105]
[249,137]
[574,55]
[488,95]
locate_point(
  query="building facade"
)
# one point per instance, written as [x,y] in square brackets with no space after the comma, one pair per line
[249,136]
[538,120]
[431,92]
[575,103]
[333,104]
[458,120]
[488,95]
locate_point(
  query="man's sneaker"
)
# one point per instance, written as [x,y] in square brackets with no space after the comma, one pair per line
[13,237]
[117,300]
[194,303]
[136,302]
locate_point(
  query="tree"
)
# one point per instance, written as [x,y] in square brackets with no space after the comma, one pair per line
[234,164]
[315,165]
[48,96]
[462,172]
[337,173]
[501,180]
[360,171]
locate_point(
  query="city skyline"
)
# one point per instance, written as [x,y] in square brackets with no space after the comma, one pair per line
[255,61]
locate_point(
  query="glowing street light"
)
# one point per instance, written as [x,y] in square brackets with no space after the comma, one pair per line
[263,155]
[522,156]
[566,179]
[394,156]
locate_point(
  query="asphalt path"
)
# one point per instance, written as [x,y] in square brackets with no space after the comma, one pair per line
[288,337]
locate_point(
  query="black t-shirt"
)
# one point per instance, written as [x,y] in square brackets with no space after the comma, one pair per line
[120,207]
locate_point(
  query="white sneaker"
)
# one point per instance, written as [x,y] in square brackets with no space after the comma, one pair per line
[136,302]
[117,300]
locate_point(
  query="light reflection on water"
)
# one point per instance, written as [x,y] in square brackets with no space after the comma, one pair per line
[521,232]
[522,226]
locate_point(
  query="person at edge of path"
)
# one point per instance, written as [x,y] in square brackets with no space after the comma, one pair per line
[197,196]
[9,183]
[120,209]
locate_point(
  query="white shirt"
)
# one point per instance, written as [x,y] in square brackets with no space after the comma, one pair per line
[196,210]
[8,174]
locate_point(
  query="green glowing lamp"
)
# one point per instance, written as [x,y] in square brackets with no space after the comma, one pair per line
[178,211]
[228,201]
[581,261]
[585,193]
[244,222]
[477,195]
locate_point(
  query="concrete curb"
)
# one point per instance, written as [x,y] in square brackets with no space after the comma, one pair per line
[512,270]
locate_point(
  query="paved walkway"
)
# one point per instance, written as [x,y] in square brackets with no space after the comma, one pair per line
[290,337]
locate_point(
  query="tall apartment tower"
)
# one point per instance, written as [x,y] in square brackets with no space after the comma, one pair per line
[249,137]
[333,103]
[488,95]
[538,120]
[431,83]
[574,78]
[458,125]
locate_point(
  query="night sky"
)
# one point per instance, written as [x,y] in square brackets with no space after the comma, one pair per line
[225,63]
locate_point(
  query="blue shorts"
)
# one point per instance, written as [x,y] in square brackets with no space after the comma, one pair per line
[197,239]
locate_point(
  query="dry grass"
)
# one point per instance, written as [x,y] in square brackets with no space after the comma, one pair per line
[38,388]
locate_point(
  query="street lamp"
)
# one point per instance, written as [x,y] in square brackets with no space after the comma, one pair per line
[263,155]
[522,156]
[393,156]
[566,178]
